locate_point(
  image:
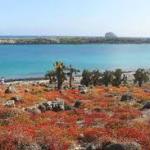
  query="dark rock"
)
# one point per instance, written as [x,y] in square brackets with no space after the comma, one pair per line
[27,90]
[108,145]
[34,84]
[127,97]
[58,105]
[133,146]
[146,105]
[97,109]
[83,92]
[48,105]
[42,107]
[29,146]
[77,104]
[127,146]
[94,146]
[16,98]
[114,147]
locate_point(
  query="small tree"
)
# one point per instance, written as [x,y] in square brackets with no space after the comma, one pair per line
[96,77]
[107,78]
[91,77]
[117,75]
[70,74]
[51,75]
[141,76]
[86,78]
[58,74]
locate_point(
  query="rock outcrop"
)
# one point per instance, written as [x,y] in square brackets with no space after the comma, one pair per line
[17,99]
[54,105]
[127,97]
[9,103]
[110,35]
[10,89]
[146,105]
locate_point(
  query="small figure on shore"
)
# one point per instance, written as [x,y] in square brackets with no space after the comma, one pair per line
[2,81]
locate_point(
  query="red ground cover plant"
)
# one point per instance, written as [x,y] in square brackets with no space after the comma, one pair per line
[100,116]
[135,135]
[125,113]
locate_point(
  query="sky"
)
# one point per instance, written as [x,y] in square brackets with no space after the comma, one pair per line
[75,17]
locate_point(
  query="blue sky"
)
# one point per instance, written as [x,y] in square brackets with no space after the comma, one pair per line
[75,17]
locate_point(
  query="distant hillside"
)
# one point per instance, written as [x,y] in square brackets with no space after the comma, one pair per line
[109,38]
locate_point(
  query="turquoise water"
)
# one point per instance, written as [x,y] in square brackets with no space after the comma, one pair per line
[35,60]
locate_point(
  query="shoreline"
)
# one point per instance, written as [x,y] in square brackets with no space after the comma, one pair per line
[43,79]
[73,40]
[26,80]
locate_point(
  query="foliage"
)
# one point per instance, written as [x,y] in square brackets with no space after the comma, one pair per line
[117,75]
[51,75]
[99,115]
[107,78]
[141,76]
[58,74]
[91,77]
[96,77]
[86,78]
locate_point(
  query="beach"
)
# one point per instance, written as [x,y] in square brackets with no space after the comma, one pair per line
[77,79]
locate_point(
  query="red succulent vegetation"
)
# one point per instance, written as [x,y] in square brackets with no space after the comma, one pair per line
[99,117]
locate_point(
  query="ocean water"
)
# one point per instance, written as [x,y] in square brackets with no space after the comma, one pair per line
[35,60]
